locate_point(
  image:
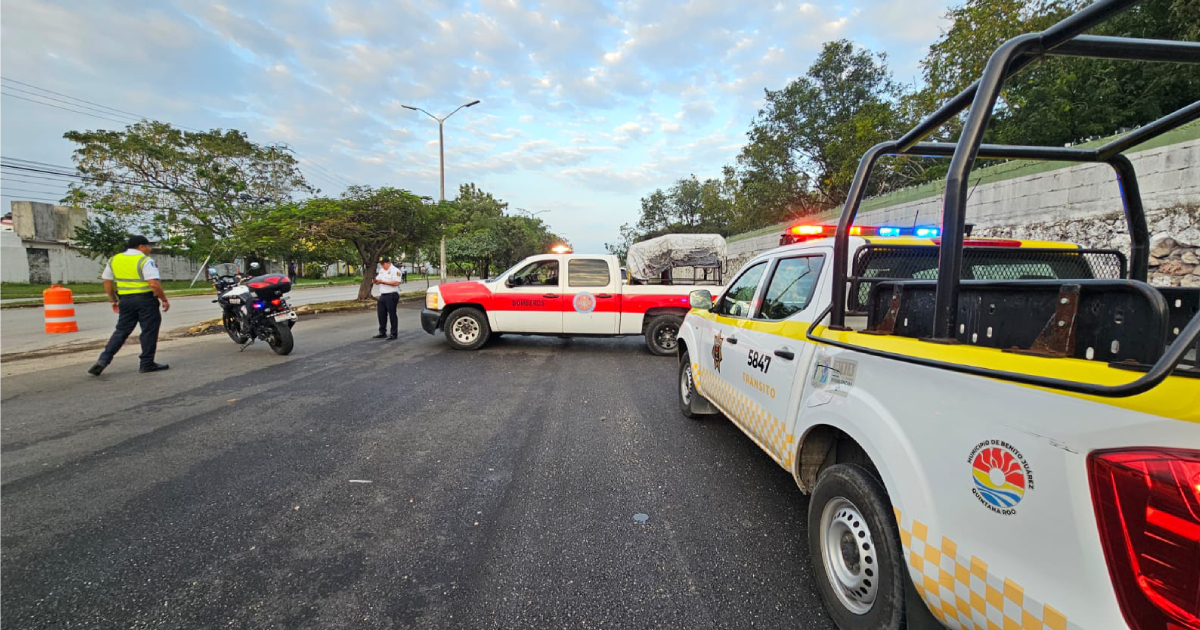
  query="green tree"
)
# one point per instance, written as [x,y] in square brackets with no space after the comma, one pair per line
[371,222]
[195,187]
[1061,100]
[102,236]
[689,206]
[805,144]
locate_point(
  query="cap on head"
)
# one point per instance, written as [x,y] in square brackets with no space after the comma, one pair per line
[137,241]
[384,259]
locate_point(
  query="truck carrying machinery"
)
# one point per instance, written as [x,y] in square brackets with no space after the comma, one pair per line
[992,433]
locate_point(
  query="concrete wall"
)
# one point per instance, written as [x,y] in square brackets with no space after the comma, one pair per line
[14,266]
[1169,178]
[69,265]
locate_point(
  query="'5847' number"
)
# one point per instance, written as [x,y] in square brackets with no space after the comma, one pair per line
[759,361]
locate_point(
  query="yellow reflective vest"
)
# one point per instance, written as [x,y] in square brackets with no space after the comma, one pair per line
[129,273]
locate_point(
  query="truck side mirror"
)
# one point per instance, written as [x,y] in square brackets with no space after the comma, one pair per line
[701,299]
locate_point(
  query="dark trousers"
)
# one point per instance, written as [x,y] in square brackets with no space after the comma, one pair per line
[387,310]
[140,309]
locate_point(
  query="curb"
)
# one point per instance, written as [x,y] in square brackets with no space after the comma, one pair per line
[204,328]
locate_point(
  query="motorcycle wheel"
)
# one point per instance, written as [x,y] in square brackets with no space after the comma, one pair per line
[280,339]
[234,330]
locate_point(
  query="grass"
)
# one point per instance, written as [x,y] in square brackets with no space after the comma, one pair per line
[992,174]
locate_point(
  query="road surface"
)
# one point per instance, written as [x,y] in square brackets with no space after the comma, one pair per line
[360,483]
[23,329]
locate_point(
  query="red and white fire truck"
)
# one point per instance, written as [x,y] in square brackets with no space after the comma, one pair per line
[567,295]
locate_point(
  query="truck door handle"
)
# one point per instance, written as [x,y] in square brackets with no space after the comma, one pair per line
[785,353]
[549,295]
[732,340]
[604,295]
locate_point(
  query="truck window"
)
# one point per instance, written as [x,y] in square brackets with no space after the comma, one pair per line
[587,272]
[791,286]
[542,272]
[736,301]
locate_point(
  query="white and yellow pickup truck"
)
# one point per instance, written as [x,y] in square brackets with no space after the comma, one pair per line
[997,501]
[993,434]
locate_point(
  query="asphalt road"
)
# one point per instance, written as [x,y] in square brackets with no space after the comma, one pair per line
[22,329]
[503,489]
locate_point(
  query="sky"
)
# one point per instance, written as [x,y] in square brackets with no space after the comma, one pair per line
[586,107]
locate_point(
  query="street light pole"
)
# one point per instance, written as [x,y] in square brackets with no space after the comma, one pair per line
[442,166]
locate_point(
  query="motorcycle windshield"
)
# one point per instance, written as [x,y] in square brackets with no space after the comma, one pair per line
[226,269]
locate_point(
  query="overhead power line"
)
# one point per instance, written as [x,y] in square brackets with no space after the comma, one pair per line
[26,190]
[119,111]
[65,109]
[106,113]
[59,100]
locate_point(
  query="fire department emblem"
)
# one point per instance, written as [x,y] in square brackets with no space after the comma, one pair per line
[716,353]
[584,302]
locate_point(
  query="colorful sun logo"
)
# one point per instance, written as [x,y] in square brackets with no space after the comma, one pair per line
[999,476]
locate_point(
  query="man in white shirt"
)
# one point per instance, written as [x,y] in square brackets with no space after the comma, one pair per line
[388,278]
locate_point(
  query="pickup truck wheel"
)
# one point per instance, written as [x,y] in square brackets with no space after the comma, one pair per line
[855,550]
[687,388]
[467,329]
[661,334]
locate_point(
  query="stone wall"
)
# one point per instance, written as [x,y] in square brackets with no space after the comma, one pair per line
[1174,240]
[1079,203]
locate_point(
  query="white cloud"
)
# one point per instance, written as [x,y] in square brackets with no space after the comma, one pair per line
[578,95]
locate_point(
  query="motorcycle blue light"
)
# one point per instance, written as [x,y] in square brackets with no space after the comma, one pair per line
[258,305]
[889,231]
[928,232]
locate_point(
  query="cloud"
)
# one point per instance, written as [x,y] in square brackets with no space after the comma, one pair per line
[584,100]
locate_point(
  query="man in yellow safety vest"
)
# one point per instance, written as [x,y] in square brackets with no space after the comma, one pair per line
[131,281]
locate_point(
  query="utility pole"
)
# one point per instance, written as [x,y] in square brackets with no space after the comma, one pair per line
[442,167]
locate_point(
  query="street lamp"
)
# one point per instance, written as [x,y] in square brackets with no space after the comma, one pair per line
[442,162]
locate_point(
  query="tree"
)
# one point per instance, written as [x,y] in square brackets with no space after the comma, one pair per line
[813,132]
[1061,100]
[102,236]
[371,221]
[194,187]
[689,206]
[629,236]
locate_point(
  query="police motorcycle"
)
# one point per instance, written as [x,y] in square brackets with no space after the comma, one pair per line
[254,308]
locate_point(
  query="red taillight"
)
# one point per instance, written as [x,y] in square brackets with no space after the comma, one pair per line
[277,301]
[1147,505]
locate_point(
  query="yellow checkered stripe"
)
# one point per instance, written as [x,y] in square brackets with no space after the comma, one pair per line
[963,594]
[768,431]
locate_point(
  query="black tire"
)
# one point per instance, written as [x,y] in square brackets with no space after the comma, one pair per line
[281,341]
[234,330]
[467,329]
[866,553]
[687,388]
[662,334]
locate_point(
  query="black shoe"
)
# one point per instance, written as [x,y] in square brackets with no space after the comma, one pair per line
[95,370]
[155,367]
[379,336]
[391,337]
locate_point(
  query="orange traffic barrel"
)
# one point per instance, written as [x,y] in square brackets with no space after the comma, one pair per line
[60,311]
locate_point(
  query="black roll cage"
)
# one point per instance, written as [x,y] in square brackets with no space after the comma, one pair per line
[1062,39]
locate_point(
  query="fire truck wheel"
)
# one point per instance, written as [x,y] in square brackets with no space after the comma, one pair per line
[855,550]
[467,329]
[661,334]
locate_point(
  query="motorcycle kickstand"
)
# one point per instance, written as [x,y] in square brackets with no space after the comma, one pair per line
[246,345]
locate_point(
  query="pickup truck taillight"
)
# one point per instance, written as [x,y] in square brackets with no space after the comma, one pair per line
[1147,503]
